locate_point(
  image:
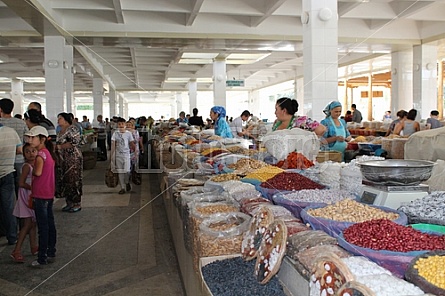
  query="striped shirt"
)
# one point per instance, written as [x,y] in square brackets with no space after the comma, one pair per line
[9,141]
[21,128]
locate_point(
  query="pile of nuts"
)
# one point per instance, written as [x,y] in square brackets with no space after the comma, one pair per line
[246,165]
[351,211]
[225,177]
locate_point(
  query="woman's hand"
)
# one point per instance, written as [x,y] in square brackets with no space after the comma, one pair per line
[340,139]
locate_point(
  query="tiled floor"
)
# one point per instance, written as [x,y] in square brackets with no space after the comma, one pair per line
[117,245]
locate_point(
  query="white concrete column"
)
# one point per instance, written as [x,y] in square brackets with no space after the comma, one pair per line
[401,81]
[299,94]
[126,115]
[121,106]
[112,100]
[219,83]
[424,79]
[193,94]
[17,96]
[69,77]
[98,88]
[173,109]
[179,104]
[54,76]
[320,56]
[253,103]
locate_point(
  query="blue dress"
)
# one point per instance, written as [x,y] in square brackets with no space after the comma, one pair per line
[222,128]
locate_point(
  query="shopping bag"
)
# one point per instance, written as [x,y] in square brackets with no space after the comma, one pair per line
[111,179]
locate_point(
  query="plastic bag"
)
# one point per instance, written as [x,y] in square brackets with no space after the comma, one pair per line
[308,239]
[221,234]
[437,179]
[280,143]
[396,262]
[309,256]
[334,228]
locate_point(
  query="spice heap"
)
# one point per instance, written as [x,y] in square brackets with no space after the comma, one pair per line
[290,181]
[295,160]
[264,173]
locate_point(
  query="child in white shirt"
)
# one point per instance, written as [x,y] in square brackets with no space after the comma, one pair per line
[122,142]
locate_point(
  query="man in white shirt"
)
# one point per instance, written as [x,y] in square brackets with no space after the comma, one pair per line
[10,146]
[238,125]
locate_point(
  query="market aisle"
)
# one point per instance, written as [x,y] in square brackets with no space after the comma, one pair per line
[114,246]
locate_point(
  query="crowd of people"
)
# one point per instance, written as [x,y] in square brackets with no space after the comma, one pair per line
[40,161]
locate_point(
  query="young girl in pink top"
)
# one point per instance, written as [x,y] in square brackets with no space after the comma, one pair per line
[43,191]
[22,209]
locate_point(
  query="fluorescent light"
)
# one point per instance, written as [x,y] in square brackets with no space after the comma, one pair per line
[195,61]
[186,80]
[32,79]
[5,79]
[198,55]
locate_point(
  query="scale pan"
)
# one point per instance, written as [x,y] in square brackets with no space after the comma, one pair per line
[397,171]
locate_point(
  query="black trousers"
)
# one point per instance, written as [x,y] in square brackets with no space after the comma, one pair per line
[102,149]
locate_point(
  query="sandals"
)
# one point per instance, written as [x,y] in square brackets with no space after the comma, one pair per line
[17,257]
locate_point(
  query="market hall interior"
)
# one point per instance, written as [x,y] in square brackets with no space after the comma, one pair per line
[117,245]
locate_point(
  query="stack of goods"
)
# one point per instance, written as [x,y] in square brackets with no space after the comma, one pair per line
[390,245]
[245,166]
[295,160]
[212,152]
[298,200]
[250,206]
[304,241]
[335,218]
[221,234]
[287,181]
[199,212]
[428,209]
[356,276]
[264,173]
[225,177]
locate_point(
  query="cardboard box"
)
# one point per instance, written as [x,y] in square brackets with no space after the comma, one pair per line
[328,155]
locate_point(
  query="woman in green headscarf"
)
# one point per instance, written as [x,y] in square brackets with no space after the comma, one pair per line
[337,134]
[222,128]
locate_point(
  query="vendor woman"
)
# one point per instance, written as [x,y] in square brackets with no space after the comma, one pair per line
[336,134]
[285,109]
[222,128]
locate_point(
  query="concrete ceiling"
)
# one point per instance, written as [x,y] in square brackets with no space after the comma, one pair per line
[136,45]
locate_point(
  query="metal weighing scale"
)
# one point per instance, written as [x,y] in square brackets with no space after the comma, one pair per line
[391,196]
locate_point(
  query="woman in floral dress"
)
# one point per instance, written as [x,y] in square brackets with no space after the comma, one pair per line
[70,164]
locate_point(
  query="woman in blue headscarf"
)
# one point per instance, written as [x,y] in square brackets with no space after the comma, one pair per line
[336,134]
[222,128]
